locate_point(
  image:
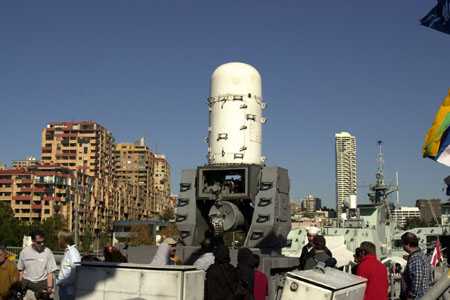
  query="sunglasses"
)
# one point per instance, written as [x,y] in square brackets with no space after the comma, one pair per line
[40,242]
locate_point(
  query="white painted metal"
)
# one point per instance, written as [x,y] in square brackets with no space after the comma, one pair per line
[131,281]
[353,201]
[235,115]
[331,284]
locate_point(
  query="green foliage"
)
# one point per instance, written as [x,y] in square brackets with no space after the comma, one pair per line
[51,226]
[104,239]
[11,230]
[87,240]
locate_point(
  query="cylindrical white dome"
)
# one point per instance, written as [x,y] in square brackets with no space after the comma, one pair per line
[235,115]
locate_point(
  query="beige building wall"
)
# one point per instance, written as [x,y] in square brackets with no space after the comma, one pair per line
[161,178]
[133,169]
[24,163]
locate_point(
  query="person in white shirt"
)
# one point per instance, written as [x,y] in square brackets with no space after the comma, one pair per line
[66,277]
[166,251]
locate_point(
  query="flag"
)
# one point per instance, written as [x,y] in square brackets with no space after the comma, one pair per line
[437,140]
[439,17]
[437,254]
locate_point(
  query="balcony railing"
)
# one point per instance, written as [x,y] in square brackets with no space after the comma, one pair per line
[39,189]
[25,181]
[52,198]
[22,197]
[36,206]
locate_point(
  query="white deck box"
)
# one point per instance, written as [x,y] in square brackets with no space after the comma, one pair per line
[107,281]
[326,284]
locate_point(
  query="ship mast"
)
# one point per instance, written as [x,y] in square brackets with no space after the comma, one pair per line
[379,191]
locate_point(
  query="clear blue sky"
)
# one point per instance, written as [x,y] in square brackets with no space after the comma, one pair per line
[142,68]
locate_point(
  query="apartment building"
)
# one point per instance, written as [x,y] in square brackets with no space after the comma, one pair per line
[161,179]
[402,214]
[311,203]
[346,176]
[133,169]
[25,163]
[40,191]
[85,146]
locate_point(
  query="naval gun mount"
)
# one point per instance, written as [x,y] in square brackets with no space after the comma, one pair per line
[246,205]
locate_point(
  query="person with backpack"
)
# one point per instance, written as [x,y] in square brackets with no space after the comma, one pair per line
[222,278]
[319,253]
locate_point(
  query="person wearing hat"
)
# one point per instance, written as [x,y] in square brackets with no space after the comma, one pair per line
[307,250]
[165,255]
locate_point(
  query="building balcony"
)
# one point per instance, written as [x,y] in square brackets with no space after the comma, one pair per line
[25,181]
[39,190]
[51,198]
[5,181]
[46,149]
[36,206]
[69,151]
[22,198]
[26,189]
[5,189]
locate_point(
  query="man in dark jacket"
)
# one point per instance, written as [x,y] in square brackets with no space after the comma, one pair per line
[222,278]
[311,232]
[246,269]
[307,250]
[375,272]
[319,253]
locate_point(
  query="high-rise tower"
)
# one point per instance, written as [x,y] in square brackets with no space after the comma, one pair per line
[346,178]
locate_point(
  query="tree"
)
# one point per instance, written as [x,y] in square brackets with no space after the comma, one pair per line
[87,239]
[140,235]
[170,230]
[51,226]
[11,230]
[168,213]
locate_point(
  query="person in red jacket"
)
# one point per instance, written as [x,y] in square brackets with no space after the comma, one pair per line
[375,272]
[261,283]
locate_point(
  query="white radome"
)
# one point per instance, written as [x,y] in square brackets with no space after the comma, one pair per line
[235,115]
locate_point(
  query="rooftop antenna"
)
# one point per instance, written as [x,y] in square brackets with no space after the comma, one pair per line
[398,190]
[380,172]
